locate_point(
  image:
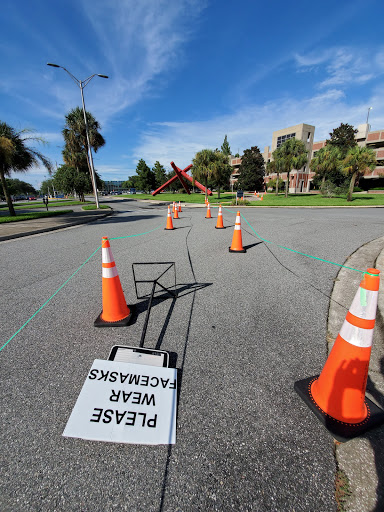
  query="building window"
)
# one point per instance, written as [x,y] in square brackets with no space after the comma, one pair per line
[283,138]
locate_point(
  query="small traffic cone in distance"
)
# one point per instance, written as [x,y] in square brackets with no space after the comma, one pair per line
[262,197]
[176,213]
[220,224]
[237,242]
[179,206]
[208,216]
[169,219]
[337,395]
[173,207]
[115,311]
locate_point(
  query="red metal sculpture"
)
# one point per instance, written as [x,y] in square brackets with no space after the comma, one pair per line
[181,174]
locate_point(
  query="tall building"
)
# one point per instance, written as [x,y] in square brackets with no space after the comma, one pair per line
[301,179]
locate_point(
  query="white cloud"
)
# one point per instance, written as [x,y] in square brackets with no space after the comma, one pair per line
[343,66]
[250,126]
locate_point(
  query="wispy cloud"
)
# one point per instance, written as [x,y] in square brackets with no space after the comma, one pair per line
[343,66]
[250,126]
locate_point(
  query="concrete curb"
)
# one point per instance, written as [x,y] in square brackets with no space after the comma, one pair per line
[362,459]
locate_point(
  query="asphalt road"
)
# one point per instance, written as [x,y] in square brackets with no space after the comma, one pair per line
[244,328]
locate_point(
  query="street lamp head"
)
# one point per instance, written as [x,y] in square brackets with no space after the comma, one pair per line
[103,76]
[53,65]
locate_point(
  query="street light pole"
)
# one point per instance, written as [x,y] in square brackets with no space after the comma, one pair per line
[81,84]
[369,109]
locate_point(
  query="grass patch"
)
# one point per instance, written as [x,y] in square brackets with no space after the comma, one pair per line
[33,205]
[270,199]
[93,207]
[342,490]
[31,216]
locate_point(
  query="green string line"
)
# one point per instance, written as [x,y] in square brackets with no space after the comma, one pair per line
[67,281]
[298,252]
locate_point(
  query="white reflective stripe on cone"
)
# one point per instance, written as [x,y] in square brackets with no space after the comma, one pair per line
[364,304]
[356,335]
[110,272]
[106,255]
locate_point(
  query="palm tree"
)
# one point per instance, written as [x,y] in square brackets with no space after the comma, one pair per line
[290,155]
[326,161]
[274,167]
[16,156]
[203,166]
[358,159]
[76,149]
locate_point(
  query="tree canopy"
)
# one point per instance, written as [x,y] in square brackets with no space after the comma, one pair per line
[357,160]
[252,170]
[343,138]
[225,149]
[145,177]
[17,156]
[160,174]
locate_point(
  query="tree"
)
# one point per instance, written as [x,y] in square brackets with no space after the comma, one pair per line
[327,164]
[46,187]
[225,149]
[175,184]
[17,156]
[220,171]
[146,177]
[131,182]
[160,174]
[17,187]
[357,160]
[252,170]
[274,166]
[75,152]
[290,155]
[343,138]
[202,166]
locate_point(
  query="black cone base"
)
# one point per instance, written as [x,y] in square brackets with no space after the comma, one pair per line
[232,250]
[169,229]
[222,227]
[99,322]
[340,430]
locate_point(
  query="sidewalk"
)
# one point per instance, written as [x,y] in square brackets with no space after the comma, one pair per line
[10,230]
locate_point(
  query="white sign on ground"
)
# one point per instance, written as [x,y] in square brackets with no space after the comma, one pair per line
[126,403]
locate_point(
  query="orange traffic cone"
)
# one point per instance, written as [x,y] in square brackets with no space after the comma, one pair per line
[337,395]
[115,311]
[173,207]
[254,193]
[208,216]
[176,212]
[180,207]
[237,243]
[169,219]
[262,197]
[220,224]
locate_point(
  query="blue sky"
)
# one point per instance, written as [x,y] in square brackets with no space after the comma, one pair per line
[183,73]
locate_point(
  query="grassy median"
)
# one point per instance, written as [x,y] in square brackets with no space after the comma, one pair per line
[31,216]
[271,199]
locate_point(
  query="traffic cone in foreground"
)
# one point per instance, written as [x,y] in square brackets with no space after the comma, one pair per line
[169,219]
[208,216]
[115,312]
[176,212]
[220,224]
[337,395]
[237,243]
[180,207]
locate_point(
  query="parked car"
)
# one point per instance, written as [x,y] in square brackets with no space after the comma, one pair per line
[31,198]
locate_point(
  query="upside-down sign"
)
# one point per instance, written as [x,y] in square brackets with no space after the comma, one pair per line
[126,403]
